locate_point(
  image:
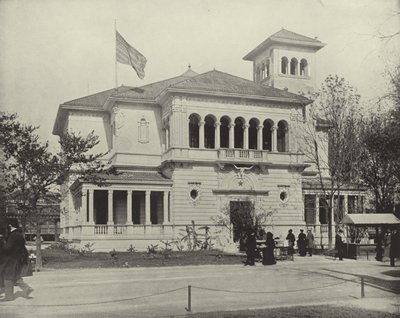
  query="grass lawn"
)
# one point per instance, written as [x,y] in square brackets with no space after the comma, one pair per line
[299,312]
[60,259]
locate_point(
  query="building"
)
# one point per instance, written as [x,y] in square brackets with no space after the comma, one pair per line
[190,147]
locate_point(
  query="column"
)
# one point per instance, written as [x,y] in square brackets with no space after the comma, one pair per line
[317,209]
[217,126]
[110,220]
[201,134]
[84,207]
[129,207]
[231,136]
[147,220]
[91,206]
[345,205]
[260,137]
[165,207]
[246,136]
[168,138]
[274,138]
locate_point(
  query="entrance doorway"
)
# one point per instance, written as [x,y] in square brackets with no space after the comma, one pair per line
[241,217]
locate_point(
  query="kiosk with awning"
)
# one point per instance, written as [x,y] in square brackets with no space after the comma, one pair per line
[362,229]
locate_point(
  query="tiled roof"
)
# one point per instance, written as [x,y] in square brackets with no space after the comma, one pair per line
[289,35]
[285,37]
[149,92]
[220,82]
[209,82]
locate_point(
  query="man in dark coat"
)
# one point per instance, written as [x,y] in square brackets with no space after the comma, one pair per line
[15,255]
[302,243]
[251,245]
[394,246]
[339,245]
[291,239]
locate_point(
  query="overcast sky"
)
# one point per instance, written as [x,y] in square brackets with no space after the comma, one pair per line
[53,51]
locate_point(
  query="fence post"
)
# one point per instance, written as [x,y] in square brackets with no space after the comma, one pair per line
[189,307]
[362,287]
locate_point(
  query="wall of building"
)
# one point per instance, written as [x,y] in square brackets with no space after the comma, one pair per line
[137,134]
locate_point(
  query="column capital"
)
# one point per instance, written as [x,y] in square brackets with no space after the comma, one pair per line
[274,128]
[202,123]
[217,124]
[260,127]
[231,125]
[246,126]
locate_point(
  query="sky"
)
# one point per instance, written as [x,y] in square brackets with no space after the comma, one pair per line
[53,51]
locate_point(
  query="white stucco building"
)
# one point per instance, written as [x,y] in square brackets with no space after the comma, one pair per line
[191,146]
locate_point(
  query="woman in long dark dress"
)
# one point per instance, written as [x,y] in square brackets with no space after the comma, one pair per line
[268,255]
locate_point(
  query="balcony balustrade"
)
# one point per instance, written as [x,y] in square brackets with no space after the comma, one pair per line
[250,156]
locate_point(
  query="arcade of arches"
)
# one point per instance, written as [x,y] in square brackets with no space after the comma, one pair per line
[211,133]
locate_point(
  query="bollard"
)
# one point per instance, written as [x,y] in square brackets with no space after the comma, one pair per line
[362,287]
[189,307]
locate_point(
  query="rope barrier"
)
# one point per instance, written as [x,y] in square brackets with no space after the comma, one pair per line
[271,292]
[99,302]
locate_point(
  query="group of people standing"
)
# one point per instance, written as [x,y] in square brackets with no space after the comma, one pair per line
[305,243]
[13,257]
[267,249]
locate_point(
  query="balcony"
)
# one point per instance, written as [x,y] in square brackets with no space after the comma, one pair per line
[225,155]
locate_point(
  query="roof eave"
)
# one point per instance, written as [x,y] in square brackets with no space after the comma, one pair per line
[269,42]
[241,96]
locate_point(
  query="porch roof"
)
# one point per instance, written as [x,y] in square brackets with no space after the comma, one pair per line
[130,177]
[371,219]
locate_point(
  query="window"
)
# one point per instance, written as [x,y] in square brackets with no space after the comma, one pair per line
[209,132]
[284,195]
[239,131]
[143,127]
[224,132]
[303,67]
[284,65]
[293,66]
[309,208]
[267,135]
[194,131]
[194,192]
[282,136]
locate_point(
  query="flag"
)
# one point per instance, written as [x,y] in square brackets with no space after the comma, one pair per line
[126,54]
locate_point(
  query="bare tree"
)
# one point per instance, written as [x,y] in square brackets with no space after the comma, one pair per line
[330,141]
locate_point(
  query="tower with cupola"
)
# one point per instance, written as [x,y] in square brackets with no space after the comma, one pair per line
[286,60]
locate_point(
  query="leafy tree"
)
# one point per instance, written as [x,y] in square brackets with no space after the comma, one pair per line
[331,140]
[377,165]
[379,137]
[33,172]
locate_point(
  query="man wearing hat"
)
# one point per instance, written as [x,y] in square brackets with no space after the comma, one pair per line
[15,255]
[339,245]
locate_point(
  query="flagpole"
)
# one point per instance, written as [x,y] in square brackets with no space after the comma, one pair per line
[116,72]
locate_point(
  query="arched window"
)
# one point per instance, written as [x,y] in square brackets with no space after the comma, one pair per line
[282,136]
[267,135]
[224,132]
[239,125]
[284,65]
[293,66]
[194,131]
[253,134]
[303,67]
[209,132]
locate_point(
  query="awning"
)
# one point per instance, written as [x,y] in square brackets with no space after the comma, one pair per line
[371,219]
